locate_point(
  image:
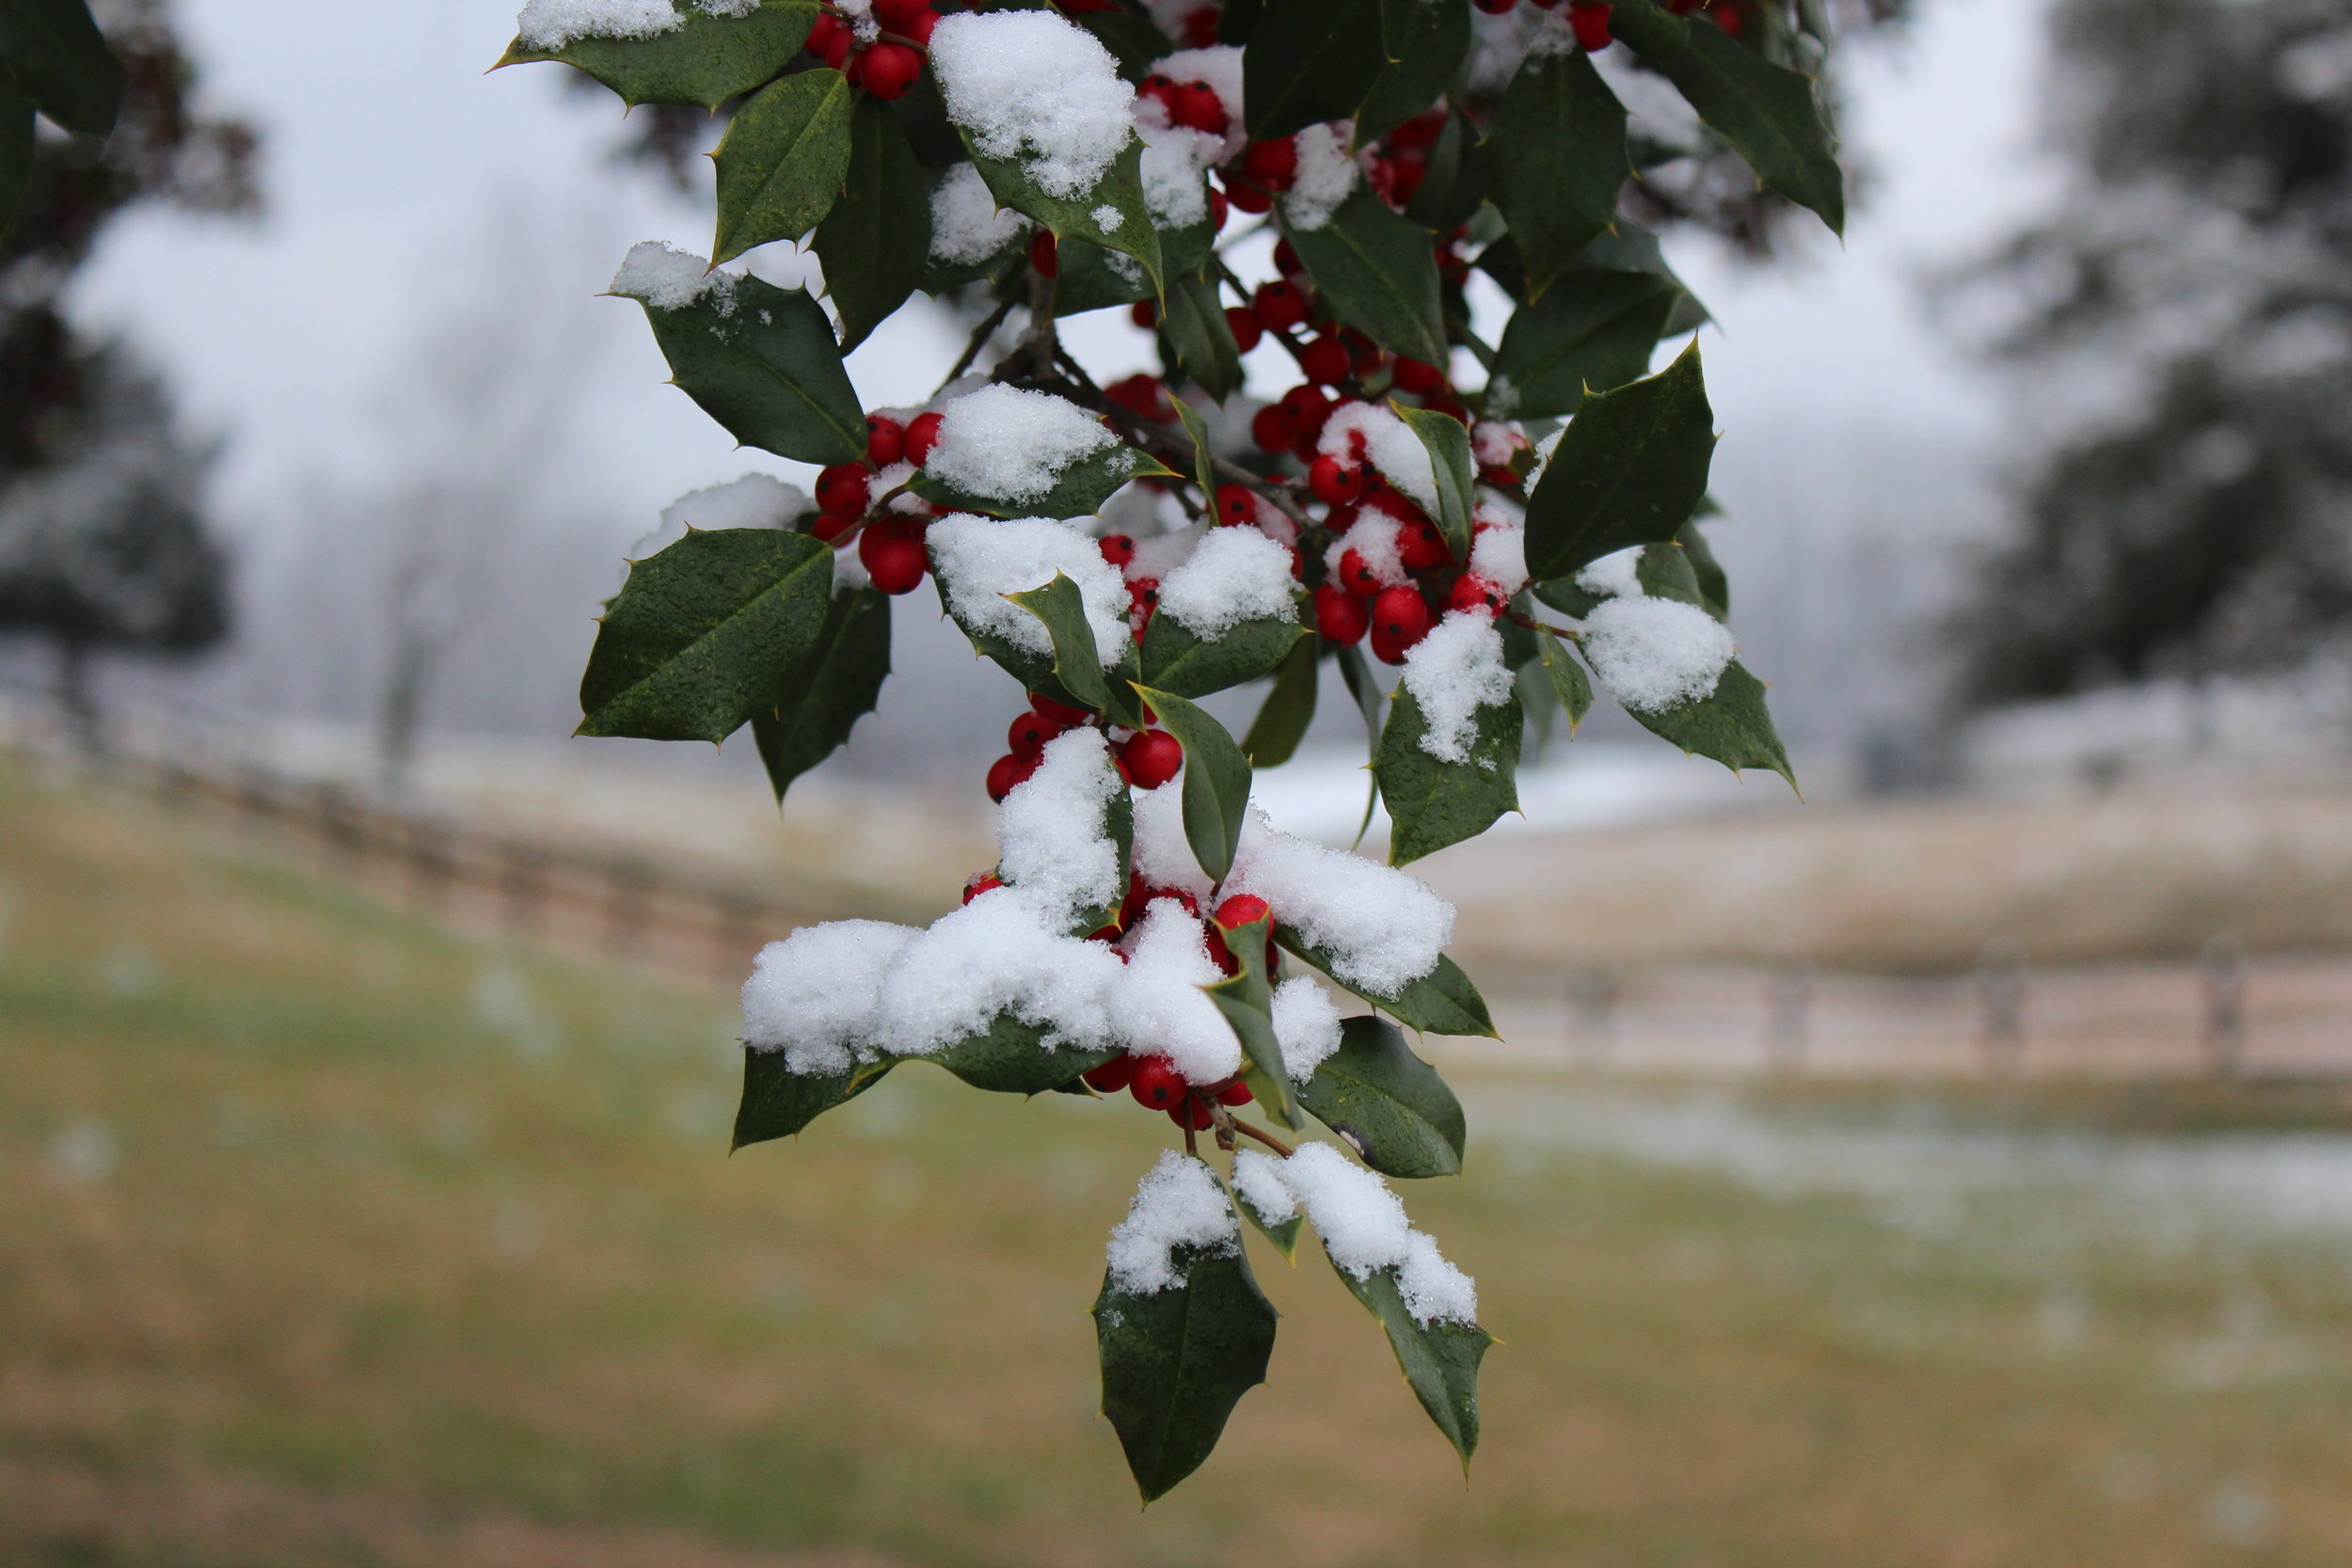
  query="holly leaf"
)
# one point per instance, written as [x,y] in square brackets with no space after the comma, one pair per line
[1590,332]
[877,239]
[1390,1105]
[1363,685]
[1565,677]
[778,1102]
[1247,1000]
[1078,490]
[1766,111]
[1433,803]
[1077,659]
[1178,659]
[1119,191]
[16,146]
[1440,1361]
[784,160]
[1454,181]
[1378,273]
[1217,779]
[1629,469]
[761,360]
[1706,573]
[1556,159]
[1442,1002]
[1308,61]
[1730,724]
[1289,708]
[704,61]
[1283,1235]
[1011,1057]
[60,62]
[1088,277]
[1203,454]
[1423,45]
[1447,440]
[1175,1362]
[1195,329]
[836,686]
[706,634]
[1034,670]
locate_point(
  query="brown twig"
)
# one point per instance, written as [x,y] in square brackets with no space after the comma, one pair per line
[1268,1139]
[986,330]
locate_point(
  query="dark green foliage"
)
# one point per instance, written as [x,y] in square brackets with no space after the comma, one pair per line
[1439,1360]
[836,685]
[1630,470]
[1215,780]
[762,361]
[876,241]
[1555,160]
[1377,270]
[1432,802]
[784,162]
[704,61]
[1390,1106]
[779,1102]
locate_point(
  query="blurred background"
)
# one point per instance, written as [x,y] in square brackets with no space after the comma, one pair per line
[1953,1166]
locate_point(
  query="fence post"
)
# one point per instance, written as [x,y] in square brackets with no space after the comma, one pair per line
[2000,988]
[2221,976]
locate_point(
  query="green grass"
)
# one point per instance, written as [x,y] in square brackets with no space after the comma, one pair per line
[326,1236]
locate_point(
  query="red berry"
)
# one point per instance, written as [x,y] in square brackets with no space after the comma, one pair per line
[843,488]
[1116,548]
[1220,208]
[1335,483]
[837,48]
[1339,615]
[1449,405]
[1307,407]
[1247,197]
[889,69]
[1494,8]
[1590,23]
[1141,313]
[1242,908]
[1419,545]
[820,32]
[1475,592]
[1356,575]
[1286,260]
[1418,376]
[896,14]
[1196,108]
[1400,618]
[1042,253]
[1030,732]
[895,563]
[1726,17]
[1200,26]
[1060,713]
[1113,1075]
[919,26]
[1006,774]
[1244,323]
[831,525]
[1271,164]
[885,440]
[1270,427]
[1279,305]
[922,435]
[1142,395]
[1325,361]
[1236,1093]
[1152,758]
[1156,1083]
[1192,1115]
[979,883]
[1236,505]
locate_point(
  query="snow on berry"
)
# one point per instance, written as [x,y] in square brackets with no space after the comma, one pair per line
[1382,928]
[1372,434]
[1158,1004]
[1494,444]
[1618,572]
[1258,1180]
[1305,1024]
[1010,444]
[1157,557]
[1499,551]
[1363,1227]
[816,995]
[1178,1204]
[1033,87]
[668,279]
[980,560]
[967,225]
[860,14]
[1220,68]
[1452,672]
[1371,538]
[1008,951]
[553,24]
[1162,855]
[1175,160]
[1326,173]
[1656,654]
[1233,574]
[1050,836]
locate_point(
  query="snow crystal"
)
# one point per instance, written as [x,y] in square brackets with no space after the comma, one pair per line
[755,501]
[1237,575]
[1369,433]
[1452,672]
[1543,449]
[1174,160]
[1162,855]
[1178,1204]
[1258,1180]
[1159,557]
[980,560]
[1326,173]
[1382,927]
[668,279]
[1499,554]
[967,225]
[1010,444]
[553,24]
[1031,85]
[861,17]
[1307,1024]
[1107,218]
[1160,1007]
[1008,951]
[1373,537]
[1618,573]
[814,995]
[1050,837]
[1363,1227]
[1656,654]
[1221,67]
[1493,443]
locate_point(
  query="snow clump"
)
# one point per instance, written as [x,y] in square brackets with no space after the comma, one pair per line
[1159,1003]
[1049,833]
[668,280]
[980,560]
[1499,551]
[1176,157]
[1178,1204]
[1031,85]
[1162,855]
[1367,432]
[817,995]
[1008,951]
[1452,672]
[1305,1024]
[1326,173]
[1233,574]
[1258,1180]
[1010,444]
[1364,1229]
[967,225]
[1656,654]
[553,24]
[1618,573]
[1382,928]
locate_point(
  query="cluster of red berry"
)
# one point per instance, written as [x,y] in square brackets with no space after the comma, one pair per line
[1197,26]
[888,66]
[1589,17]
[1147,758]
[890,547]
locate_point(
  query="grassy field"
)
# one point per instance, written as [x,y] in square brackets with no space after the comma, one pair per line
[328,1239]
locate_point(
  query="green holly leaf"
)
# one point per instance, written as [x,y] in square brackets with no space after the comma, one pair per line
[1378,273]
[1453,185]
[706,634]
[1440,1361]
[1556,159]
[1766,111]
[1283,1235]
[1289,708]
[1077,659]
[1011,1057]
[1447,440]
[1434,803]
[16,146]
[1565,678]
[1731,724]
[1247,1000]
[1442,1002]
[704,61]
[1034,670]
[784,160]
[836,686]
[1196,329]
[1175,1362]
[1390,1105]
[1204,454]
[1363,685]
[1423,45]
[60,61]
[1078,491]
[876,241]
[1120,190]
[1217,779]
[1591,332]
[778,1102]
[1088,277]
[1629,469]
[761,360]
[1175,658]
[1308,61]
[1706,573]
